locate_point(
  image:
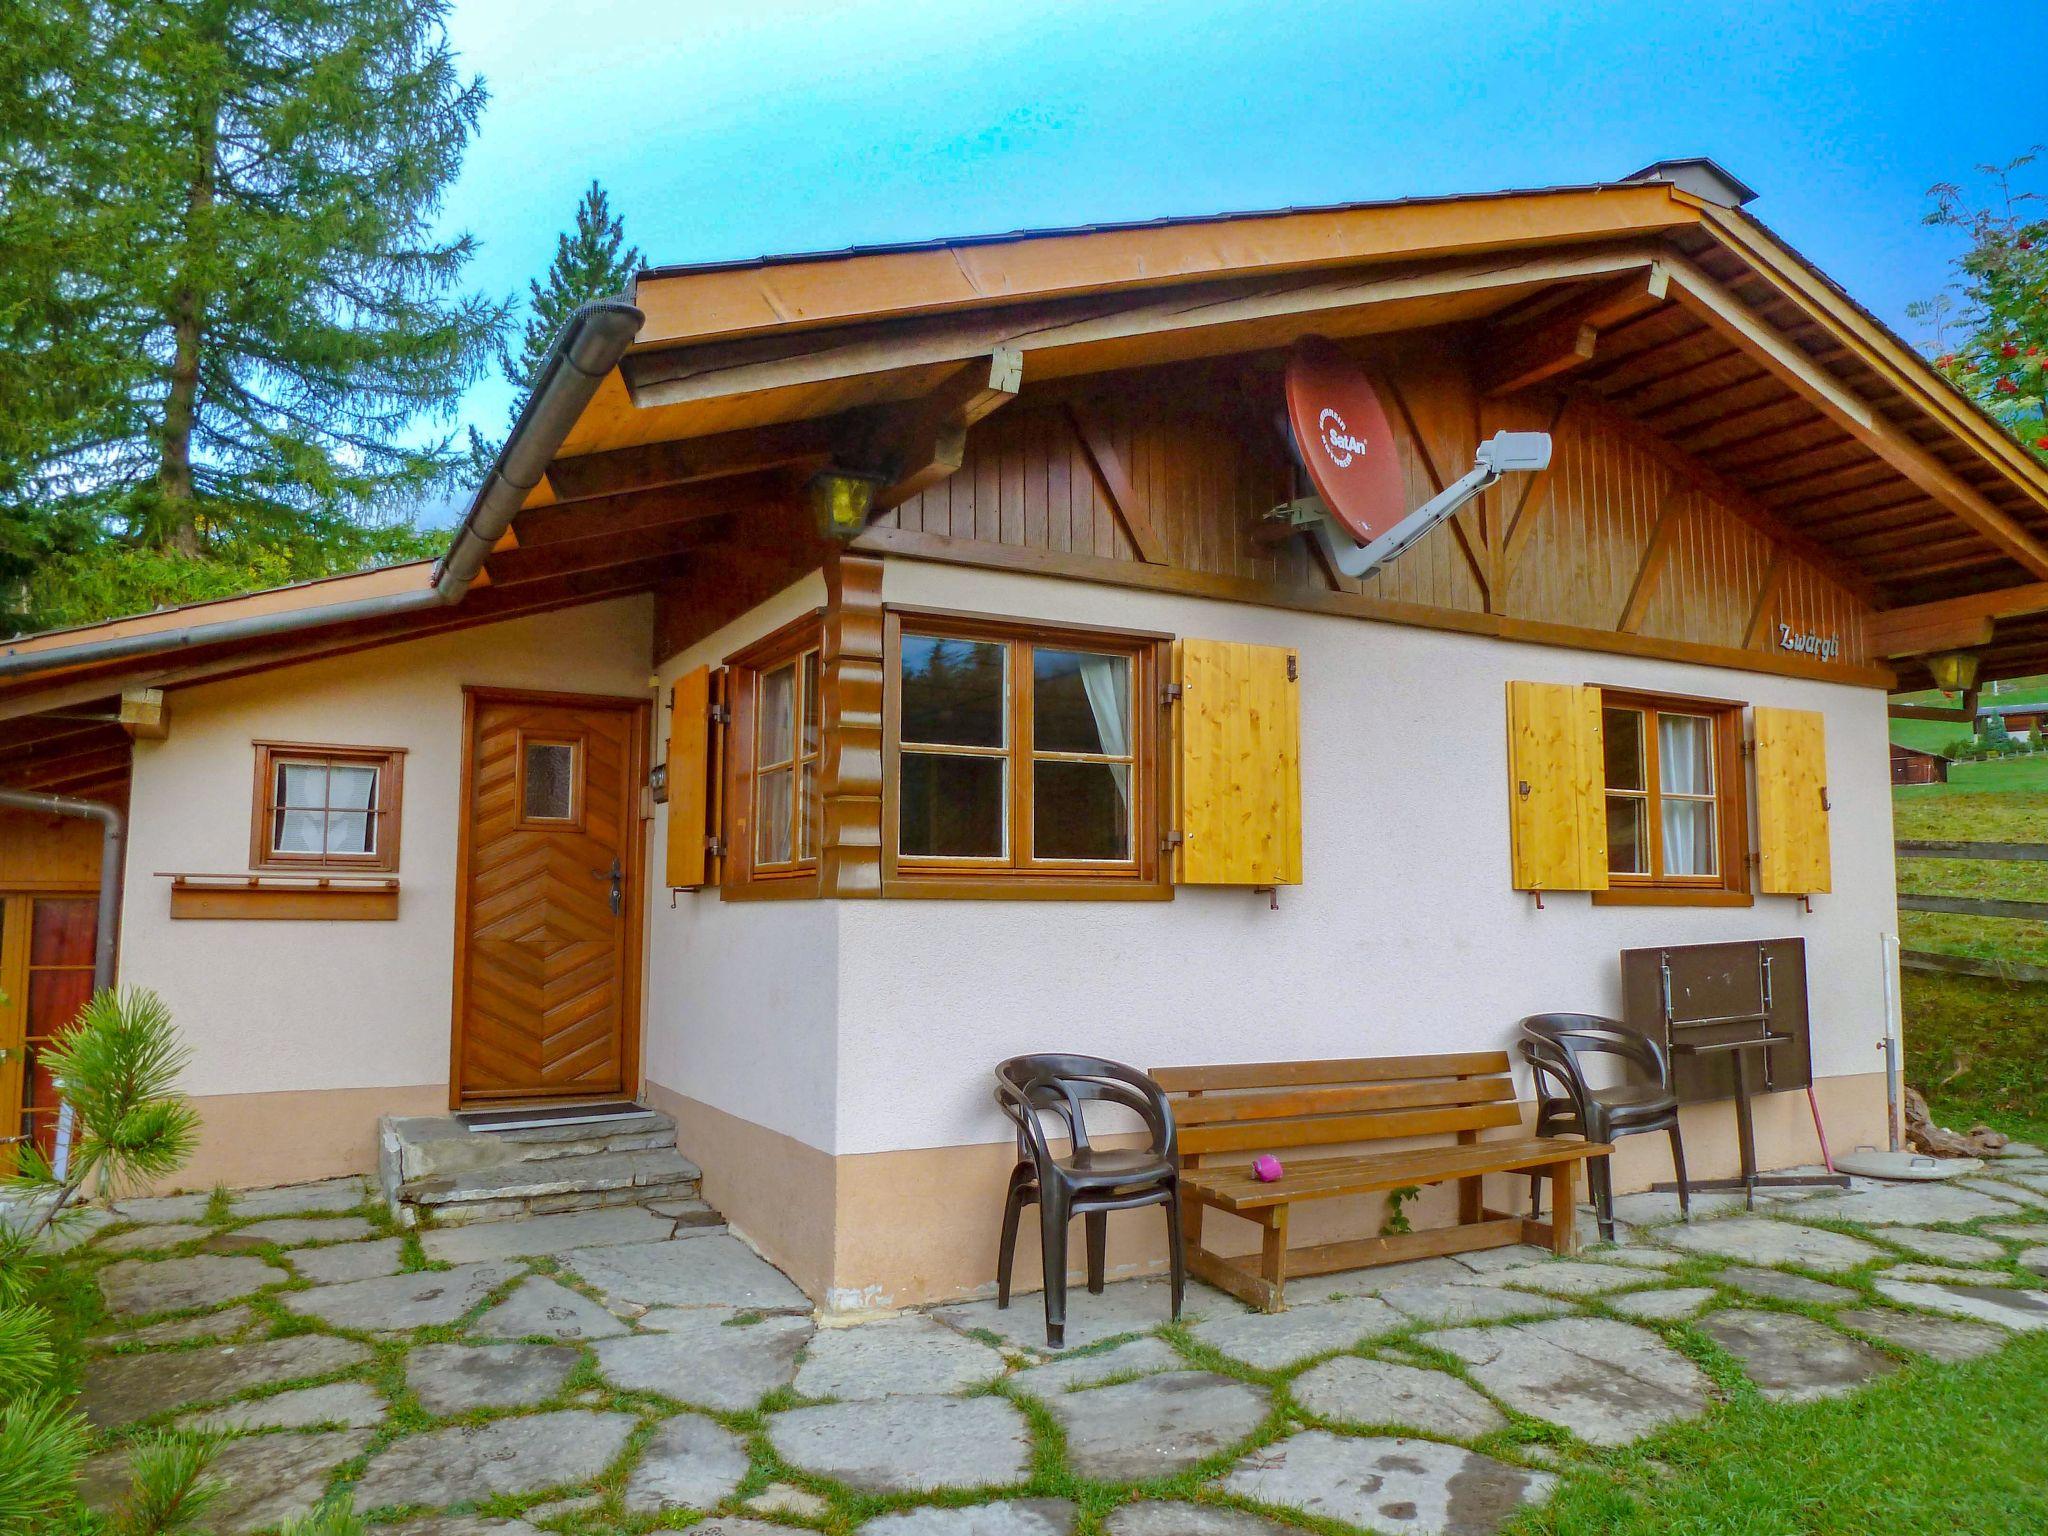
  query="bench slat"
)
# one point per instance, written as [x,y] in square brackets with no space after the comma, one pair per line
[1357,1069]
[1336,1130]
[1234,1189]
[1218,1108]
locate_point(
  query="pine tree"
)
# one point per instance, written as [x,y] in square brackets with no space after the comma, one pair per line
[247,192]
[592,261]
[2001,360]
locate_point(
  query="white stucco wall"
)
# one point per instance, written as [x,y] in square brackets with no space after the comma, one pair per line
[742,995]
[1404,937]
[273,1006]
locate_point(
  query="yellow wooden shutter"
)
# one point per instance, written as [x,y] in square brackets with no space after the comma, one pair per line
[1238,758]
[1557,779]
[689,777]
[1792,801]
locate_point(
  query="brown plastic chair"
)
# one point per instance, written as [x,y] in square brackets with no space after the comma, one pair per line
[1565,1102]
[1089,1181]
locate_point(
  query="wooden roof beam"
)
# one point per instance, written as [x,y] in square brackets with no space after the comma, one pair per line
[930,435]
[721,455]
[1565,339]
[1699,292]
[1953,623]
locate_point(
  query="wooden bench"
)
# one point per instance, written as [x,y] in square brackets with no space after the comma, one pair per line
[1228,1115]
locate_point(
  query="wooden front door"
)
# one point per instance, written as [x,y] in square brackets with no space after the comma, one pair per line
[547,943]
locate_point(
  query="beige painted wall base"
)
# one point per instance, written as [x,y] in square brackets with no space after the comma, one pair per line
[250,1140]
[893,1229]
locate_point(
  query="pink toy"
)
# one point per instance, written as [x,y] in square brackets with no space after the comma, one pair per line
[1267,1169]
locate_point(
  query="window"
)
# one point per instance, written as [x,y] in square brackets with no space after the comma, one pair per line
[1019,755]
[550,790]
[1676,823]
[775,734]
[325,807]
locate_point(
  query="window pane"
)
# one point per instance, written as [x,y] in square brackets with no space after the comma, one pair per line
[952,807]
[1080,702]
[351,787]
[807,814]
[810,702]
[1080,810]
[1685,754]
[1689,837]
[1628,842]
[550,793]
[301,784]
[778,714]
[1623,733]
[771,817]
[349,832]
[298,832]
[953,692]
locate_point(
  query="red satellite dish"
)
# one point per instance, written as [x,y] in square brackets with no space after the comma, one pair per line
[1342,431]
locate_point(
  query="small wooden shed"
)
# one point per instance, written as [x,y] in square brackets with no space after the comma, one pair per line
[1910,765]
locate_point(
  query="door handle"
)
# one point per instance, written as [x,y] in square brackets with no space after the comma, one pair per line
[617,877]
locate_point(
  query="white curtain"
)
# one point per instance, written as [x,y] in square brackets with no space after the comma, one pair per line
[1686,767]
[1107,681]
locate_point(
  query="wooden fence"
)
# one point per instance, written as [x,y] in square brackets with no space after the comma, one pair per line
[1973,906]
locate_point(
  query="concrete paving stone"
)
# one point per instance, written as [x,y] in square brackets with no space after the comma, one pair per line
[1129,1306]
[137,1287]
[788,1499]
[2022,1232]
[329,1196]
[460,1525]
[1379,1278]
[1171,1519]
[1912,1205]
[1268,1341]
[908,1444]
[716,1271]
[1138,1357]
[707,1358]
[1946,1247]
[1466,1303]
[910,1354]
[1778,1285]
[397,1303]
[601,1228]
[2035,1259]
[350,1261]
[1487,1261]
[454,1378]
[1636,1256]
[688,1463]
[1357,1391]
[1760,1240]
[162,1207]
[2026,1191]
[1156,1426]
[1946,1274]
[1565,1277]
[224,1324]
[735,1525]
[542,1308]
[1947,1339]
[1663,1306]
[120,1389]
[1020,1517]
[151,1239]
[266,1479]
[1608,1382]
[477,1461]
[297,1231]
[1794,1359]
[346,1404]
[2022,1311]
[1413,1487]
[1647,1208]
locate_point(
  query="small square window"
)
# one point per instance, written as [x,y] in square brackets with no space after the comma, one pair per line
[325,807]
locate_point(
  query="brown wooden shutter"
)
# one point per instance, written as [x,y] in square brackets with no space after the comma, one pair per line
[1557,780]
[1237,743]
[689,779]
[1792,801]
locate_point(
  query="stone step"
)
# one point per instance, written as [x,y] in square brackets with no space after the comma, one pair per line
[415,1147]
[557,1184]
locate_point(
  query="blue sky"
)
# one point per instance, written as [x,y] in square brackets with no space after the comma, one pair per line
[733,128]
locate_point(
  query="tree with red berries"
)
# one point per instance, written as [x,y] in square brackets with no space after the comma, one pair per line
[2000,303]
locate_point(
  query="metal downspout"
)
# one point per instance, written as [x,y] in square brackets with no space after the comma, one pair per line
[588,347]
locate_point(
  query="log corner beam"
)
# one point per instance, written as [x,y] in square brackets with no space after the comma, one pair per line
[926,442]
[144,715]
[1566,339]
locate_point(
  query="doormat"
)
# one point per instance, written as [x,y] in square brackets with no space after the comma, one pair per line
[540,1117]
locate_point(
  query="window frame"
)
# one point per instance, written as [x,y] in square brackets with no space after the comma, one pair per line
[386,818]
[1019,875]
[1730,885]
[744,877]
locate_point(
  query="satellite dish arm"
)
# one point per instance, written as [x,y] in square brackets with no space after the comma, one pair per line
[1501,454]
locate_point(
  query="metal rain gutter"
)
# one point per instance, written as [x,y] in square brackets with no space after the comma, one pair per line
[587,348]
